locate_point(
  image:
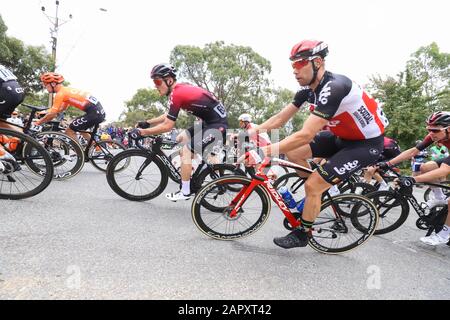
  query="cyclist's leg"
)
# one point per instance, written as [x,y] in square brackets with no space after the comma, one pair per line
[352,156]
[439,195]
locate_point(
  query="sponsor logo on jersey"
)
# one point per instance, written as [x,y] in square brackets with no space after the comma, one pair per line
[363,116]
[325,93]
[348,167]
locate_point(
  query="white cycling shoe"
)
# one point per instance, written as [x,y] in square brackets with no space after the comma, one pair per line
[434,240]
[177,196]
[436,202]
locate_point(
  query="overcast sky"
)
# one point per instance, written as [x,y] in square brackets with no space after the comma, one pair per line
[111,53]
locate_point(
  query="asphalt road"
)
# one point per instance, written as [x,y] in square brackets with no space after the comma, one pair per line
[79,240]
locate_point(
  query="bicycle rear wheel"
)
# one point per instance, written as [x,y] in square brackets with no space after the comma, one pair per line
[17,180]
[334,233]
[101,153]
[393,210]
[220,193]
[137,175]
[66,154]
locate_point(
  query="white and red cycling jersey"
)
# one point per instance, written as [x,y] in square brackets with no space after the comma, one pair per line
[351,112]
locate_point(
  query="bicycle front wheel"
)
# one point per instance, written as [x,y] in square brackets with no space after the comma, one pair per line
[220,193]
[334,233]
[137,175]
[17,180]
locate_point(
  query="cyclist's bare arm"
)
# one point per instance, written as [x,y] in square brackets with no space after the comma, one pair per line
[434,175]
[405,155]
[162,127]
[157,120]
[278,120]
[311,127]
[48,117]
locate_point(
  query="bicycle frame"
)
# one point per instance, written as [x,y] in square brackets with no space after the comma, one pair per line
[260,179]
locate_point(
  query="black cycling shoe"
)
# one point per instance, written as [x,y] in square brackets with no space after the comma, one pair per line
[297,238]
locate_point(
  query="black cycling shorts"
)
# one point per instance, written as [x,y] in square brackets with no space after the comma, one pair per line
[443,160]
[204,137]
[344,157]
[389,154]
[11,95]
[94,115]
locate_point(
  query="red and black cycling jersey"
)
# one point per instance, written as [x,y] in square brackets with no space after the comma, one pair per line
[428,141]
[196,101]
[352,113]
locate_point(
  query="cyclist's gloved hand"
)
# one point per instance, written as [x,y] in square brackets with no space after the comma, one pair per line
[405,184]
[135,134]
[143,125]
[383,165]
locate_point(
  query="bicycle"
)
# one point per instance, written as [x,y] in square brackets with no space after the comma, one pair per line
[237,216]
[428,195]
[30,172]
[142,174]
[63,150]
[393,206]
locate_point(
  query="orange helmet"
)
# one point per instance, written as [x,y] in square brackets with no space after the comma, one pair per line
[50,77]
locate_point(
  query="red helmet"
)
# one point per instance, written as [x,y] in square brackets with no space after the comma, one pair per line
[308,49]
[440,118]
[50,77]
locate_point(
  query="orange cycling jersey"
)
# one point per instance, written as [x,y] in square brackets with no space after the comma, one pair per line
[72,97]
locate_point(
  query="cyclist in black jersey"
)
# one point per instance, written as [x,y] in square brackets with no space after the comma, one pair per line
[199,138]
[354,137]
[11,95]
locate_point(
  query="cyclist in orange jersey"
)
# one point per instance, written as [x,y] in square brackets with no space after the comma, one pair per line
[66,97]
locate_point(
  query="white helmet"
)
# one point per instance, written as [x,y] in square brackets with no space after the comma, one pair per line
[245,117]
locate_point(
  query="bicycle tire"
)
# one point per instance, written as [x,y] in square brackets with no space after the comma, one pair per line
[100,161]
[227,228]
[341,226]
[215,171]
[61,171]
[35,152]
[393,210]
[117,178]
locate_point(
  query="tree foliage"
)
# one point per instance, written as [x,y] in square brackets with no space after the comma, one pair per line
[410,97]
[26,62]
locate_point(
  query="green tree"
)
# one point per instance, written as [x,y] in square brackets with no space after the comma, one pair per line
[410,97]
[236,75]
[26,62]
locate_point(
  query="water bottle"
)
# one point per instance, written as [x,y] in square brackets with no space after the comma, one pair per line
[300,205]
[287,197]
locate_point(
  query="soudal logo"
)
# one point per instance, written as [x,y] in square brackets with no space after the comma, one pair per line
[348,167]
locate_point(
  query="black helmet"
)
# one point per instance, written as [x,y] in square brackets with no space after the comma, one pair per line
[163,70]
[441,118]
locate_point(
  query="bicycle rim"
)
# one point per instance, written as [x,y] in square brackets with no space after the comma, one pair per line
[66,154]
[143,178]
[220,225]
[22,182]
[333,233]
[101,153]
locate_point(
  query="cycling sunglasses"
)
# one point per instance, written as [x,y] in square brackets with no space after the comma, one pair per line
[298,64]
[158,82]
[435,130]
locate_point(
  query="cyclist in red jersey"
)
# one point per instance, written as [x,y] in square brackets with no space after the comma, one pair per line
[66,97]
[196,101]
[438,126]
[354,138]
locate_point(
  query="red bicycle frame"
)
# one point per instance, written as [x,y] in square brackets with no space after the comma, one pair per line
[261,179]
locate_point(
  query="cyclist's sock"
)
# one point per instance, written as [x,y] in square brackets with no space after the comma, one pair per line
[186,187]
[306,224]
[438,194]
[445,232]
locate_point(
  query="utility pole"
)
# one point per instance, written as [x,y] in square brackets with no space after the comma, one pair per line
[55,24]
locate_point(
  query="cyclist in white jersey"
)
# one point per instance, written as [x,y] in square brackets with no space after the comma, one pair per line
[353,140]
